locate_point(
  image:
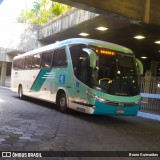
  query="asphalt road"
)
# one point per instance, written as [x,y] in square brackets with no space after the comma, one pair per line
[33,125]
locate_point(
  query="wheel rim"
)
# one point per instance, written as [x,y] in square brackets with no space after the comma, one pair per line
[62,103]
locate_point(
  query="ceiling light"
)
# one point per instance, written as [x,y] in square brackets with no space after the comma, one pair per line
[139,37]
[102,28]
[144,57]
[84,34]
[158,42]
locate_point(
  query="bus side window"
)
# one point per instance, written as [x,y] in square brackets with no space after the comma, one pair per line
[21,63]
[28,62]
[36,61]
[83,70]
[59,58]
[46,59]
[80,61]
[15,64]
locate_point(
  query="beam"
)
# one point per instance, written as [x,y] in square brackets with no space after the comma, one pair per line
[147,11]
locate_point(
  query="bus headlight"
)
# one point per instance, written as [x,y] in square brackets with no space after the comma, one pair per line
[112,103]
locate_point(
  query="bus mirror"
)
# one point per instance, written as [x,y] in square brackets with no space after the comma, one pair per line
[92,56]
[139,66]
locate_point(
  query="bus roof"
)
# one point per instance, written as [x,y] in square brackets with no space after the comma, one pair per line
[86,41]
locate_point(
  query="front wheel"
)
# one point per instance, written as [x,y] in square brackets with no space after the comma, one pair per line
[62,102]
[20,92]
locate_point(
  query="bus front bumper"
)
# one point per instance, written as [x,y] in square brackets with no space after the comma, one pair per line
[106,109]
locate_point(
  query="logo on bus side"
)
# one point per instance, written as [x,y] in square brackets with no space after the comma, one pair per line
[62,79]
[77,84]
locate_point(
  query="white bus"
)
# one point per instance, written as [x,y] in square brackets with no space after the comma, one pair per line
[86,75]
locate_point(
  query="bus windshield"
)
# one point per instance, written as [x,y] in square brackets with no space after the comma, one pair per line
[115,73]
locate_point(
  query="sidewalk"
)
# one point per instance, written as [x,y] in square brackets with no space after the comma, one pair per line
[147,114]
[140,113]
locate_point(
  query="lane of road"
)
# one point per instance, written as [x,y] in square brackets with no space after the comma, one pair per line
[36,125]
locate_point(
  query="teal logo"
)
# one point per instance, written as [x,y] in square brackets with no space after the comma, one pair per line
[77,84]
[62,79]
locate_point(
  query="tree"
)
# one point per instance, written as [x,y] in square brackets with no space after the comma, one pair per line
[42,11]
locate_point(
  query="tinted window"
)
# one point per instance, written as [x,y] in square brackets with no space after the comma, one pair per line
[80,61]
[21,63]
[15,64]
[36,61]
[46,59]
[59,58]
[28,62]
[126,61]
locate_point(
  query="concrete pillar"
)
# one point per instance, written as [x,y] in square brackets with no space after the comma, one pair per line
[147,11]
[3,73]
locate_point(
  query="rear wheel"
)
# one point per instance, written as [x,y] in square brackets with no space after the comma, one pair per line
[20,92]
[62,102]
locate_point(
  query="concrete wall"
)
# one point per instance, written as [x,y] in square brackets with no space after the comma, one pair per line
[72,18]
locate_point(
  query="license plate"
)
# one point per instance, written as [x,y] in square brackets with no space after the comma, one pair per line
[120,111]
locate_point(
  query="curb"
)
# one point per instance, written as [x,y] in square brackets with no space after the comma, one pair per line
[5,87]
[149,116]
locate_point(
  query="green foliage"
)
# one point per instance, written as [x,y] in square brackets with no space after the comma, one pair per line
[42,11]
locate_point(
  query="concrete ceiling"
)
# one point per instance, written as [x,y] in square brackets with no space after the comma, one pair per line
[146,11]
[119,32]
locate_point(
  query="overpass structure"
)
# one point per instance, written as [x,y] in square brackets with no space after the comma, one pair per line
[123,22]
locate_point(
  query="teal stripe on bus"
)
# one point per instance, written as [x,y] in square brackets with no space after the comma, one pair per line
[37,84]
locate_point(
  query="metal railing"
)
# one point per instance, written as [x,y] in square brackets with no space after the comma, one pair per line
[151,104]
[150,86]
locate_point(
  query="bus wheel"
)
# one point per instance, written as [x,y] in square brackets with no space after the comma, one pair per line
[62,102]
[20,92]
